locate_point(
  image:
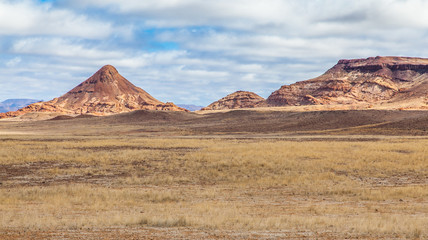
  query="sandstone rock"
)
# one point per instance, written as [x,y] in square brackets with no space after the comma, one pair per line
[359,81]
[105,92]
[239,99]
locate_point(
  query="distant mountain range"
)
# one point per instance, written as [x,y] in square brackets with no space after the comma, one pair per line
[190,107]
[15,104]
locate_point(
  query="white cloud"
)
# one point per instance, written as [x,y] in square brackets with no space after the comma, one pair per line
[255,15]
[217,46]
[13,62]
[196,12]
[25,17]
[61,48]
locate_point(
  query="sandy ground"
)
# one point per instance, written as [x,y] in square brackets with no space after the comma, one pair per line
[351,126]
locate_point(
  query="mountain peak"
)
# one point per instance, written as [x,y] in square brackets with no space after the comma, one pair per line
[106,74]
[108,68]
[109,92]
[105,92]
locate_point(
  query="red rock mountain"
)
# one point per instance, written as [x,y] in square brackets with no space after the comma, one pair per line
[105,92]
[386,80]
[239,99]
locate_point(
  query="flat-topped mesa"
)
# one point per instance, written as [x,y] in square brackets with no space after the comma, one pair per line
[392,63]
[359,81]
[385,60]
[105,92]
[238,99]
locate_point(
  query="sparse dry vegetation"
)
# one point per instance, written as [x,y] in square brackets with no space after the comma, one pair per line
[336,188]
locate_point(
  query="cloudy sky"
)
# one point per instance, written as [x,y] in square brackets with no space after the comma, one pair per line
[196,51]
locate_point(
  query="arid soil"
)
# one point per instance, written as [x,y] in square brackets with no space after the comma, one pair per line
[241,174]
[254,122]
[162,233]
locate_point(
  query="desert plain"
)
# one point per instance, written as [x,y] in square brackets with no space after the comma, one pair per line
[239,174]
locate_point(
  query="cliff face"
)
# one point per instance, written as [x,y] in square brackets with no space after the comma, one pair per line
[360,81]
[105,92]
[239,99]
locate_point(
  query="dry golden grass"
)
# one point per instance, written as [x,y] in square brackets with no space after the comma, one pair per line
[359,188]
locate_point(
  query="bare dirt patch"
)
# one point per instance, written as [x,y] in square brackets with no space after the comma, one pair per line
[42,174]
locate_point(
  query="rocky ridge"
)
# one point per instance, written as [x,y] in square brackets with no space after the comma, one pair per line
[106,92]
[361,81]
[239,99]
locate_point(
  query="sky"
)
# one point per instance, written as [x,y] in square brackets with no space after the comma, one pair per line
[197,51]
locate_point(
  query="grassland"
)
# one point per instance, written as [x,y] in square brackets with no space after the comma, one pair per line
[130,186]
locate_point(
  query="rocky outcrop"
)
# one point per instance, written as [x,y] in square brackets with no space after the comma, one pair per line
[239,99]
[105,92]
[360,81]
